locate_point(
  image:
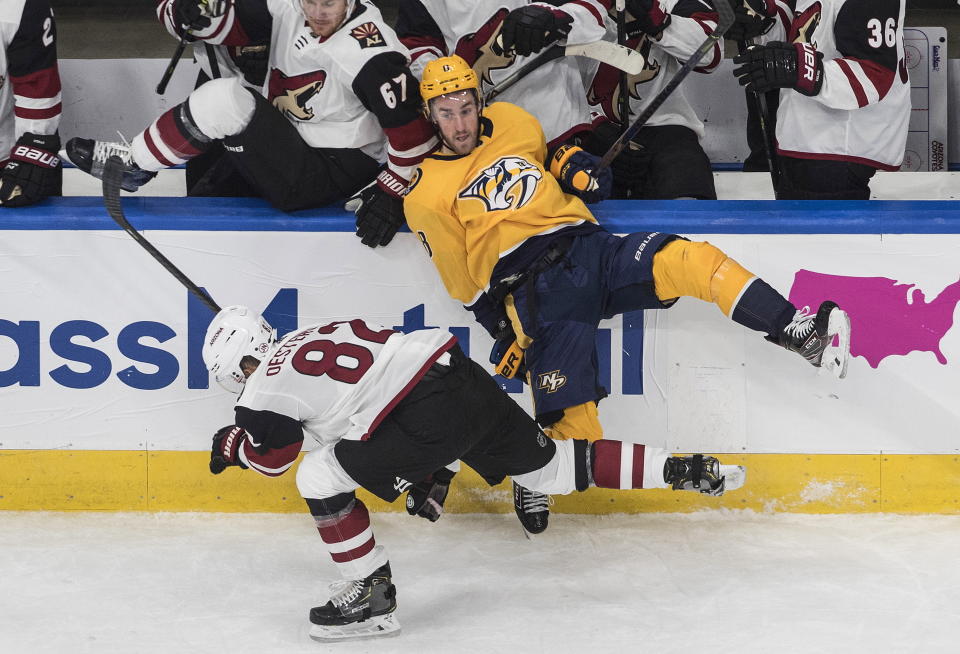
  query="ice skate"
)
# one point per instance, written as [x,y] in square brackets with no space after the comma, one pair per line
[702,474]
[91,156]
[812,336]
[361,608]
[533,509]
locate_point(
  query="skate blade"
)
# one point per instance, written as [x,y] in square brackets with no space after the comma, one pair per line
[836,357]
[734,477]
[377,627]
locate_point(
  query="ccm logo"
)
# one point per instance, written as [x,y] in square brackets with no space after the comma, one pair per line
[32,155]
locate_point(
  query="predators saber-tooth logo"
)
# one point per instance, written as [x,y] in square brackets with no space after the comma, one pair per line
[290,95]
[551,381]
[507,184]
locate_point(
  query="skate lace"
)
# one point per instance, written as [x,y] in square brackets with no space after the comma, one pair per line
[103,150]
[801,324]
[343,593]
[535,502]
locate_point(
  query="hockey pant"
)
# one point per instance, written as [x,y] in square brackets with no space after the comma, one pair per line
[820,179]
[262,144]
[460,413]
[558,311]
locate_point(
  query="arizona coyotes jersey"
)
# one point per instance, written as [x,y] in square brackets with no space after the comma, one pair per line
[471,210]
[338,380]
[347,90]
[29,80]
[553,93]
[691,21]
[862,112]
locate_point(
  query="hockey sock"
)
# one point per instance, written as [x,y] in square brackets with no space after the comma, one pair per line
[346,531]
[615,464]
[683,268]
[580,421]
[171,139]
[763,309]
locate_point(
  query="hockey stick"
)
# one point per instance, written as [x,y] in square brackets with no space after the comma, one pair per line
[112,177]
[724,21]
[618,56]
[174,60]
[769,146]
[623,100]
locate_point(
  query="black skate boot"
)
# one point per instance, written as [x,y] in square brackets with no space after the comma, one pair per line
[361,608]
[812,337]
[532,508]
[91,156]
[703,474]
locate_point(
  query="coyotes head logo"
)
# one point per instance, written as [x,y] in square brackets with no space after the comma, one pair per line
[291,94]
[482,51]
[508,184]
[605,88]
[804,25]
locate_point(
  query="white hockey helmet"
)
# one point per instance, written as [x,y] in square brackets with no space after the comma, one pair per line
[237,331]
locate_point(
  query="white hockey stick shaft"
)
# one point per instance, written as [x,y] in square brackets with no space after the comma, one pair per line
[628,60]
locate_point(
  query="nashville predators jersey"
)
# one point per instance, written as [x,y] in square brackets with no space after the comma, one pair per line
[470,210]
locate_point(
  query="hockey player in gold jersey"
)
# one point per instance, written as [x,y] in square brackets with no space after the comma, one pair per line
[505,224]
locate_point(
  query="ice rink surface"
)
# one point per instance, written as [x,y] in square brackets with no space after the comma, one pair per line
[714,581]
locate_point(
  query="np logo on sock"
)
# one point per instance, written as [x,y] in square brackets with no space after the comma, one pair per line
[551,381]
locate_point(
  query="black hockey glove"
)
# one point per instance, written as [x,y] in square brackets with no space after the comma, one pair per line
[425,498]
[648,18]
[631,164]
[226,448]
[752,18]
[573,167]
[379,209]
[779,65]
[506,355]
[531,28]
[195,15]
[252,62]
[33,172]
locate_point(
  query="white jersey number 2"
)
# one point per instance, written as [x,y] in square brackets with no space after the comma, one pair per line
[343,362]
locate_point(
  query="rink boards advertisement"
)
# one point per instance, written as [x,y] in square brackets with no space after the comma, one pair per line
[100,361]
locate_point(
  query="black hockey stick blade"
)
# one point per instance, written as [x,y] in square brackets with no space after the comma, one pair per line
[724,22]
[112,177]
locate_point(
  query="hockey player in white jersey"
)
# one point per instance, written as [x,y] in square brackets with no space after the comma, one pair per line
[30,168]
[669,160]
[844,99]
[340,101]
[393,413]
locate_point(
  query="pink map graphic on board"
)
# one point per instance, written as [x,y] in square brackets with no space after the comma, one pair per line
[887,318]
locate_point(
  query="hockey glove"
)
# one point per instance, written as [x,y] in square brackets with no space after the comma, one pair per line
[33,171]
[573,167]
[507,358]
[379,209]
[226,448]
[752,18]
[531,28]
[195,15]
[426,498]
[779,65]
[648,18]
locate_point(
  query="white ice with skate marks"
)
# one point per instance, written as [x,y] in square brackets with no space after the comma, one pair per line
[746,582]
